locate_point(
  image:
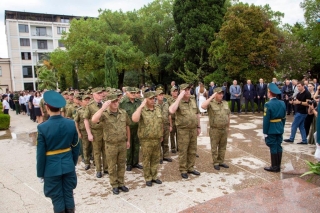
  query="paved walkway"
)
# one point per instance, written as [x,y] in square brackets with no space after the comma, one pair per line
[246,154]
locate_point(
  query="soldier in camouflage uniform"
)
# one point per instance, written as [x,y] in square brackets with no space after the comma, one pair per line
[164,106]
[173,127]
[63,109]
[219,119]
[116,138]
[188,128]
[82,133]
[130,104]
[150,133]
[95,132]
[72,109]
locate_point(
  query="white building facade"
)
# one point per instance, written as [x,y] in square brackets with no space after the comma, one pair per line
[29,37]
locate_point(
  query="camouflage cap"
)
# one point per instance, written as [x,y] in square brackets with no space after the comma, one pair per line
[112,97]
[158,92]
[108,89]
[137,89]
[86,97]
[184,86]
[149,94]
[173,88]
[97,90]
[118,92]
[218,90]
[159,87]
[71,93]
[131,89]
[64,93]
[78,96]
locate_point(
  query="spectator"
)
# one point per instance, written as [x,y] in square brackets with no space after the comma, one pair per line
[36,102]
[22,103]
[261,92]
[211,88]
[315,84]
[225,91]
[235,93]
[202,96]
[5,104]
[249,93]
[287,93]
[310,116]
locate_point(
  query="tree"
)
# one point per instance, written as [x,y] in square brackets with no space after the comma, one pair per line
[47,79]
[111,75]
[247,45]
[196,23]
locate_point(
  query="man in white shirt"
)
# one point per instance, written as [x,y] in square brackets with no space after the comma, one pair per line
[5,104]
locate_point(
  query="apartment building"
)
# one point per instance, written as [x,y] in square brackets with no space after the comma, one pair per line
[29,37]
[5,75]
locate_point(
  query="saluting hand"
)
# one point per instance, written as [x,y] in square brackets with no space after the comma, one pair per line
[213,95]
[182,92]
[106,104]
[143,102]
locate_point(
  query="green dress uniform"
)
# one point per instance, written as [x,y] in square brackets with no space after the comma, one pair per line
[274,119]
[57,156]
[130,108]
[150,132]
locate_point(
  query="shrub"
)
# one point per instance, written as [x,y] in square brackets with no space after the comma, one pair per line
[4,121]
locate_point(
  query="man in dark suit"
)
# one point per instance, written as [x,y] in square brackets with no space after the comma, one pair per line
[211,88]
[287,93]
[57,154]
[261,92]
[249,93]
[315,84]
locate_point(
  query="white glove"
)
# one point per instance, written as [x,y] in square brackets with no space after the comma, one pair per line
[265,135]
[41,180]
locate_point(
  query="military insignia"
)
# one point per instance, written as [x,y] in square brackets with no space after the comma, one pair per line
[265,111]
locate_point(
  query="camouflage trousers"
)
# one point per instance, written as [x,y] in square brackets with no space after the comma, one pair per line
[45,116]
[164,149]
[174,137]
[187,140]
[218,140]
[116,158]
[150,158]
[133,151]
[86,147]
[99,150]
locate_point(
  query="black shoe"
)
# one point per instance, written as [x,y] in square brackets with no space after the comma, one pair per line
[197,155]
[149,183]
[105,172]
[173,151]
[272,169]
[224,165]
[115,191]
[129,168]
[87,167]
[161,162]
[302,143]
[288,140]
[167,159]
[70,210]
[184,175]
[123,188]
[99,175]
[216,167]
[195,172]
[274,164]
[138,166]
[157,181]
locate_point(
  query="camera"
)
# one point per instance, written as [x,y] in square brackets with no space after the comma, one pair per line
[311,102]
[292,98]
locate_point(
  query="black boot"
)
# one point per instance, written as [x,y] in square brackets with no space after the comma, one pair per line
[279,160]
[274,164]
[70,210]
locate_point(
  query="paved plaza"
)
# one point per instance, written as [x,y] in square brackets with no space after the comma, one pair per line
[246,155]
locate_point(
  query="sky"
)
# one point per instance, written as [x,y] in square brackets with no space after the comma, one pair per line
[291,9]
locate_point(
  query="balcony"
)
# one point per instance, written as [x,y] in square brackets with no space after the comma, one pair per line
[40,34]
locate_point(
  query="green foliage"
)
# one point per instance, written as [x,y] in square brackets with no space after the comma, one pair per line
[46,79]
[111,75]
[62,83]
[247,45]
[314,169]
[4,121]
[131,79]
[219,77]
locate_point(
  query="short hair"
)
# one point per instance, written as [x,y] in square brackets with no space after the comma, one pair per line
[53,109]
[300,82]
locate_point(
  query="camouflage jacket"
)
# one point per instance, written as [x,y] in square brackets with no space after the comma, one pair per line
[71,111]
[186,114]
[170,102]
[218,114]
[130,108]
[150,124]
[78,118]
[41,105]
[165,112]
[89,111]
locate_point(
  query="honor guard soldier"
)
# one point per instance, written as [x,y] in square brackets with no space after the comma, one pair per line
[116,138]
[219,120]
[57,155]
[274,119]
[188,128]
[150,133]
[95,132]
[130,103]
[164,106]
[173,127]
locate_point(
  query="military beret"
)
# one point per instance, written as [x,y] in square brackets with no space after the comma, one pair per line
[112,97]
[54,99]
[97,90]
[217,90]
[85,97]
[173,88]
[274,88]
[184,86]
[158,92]
[149,94]
[131,89]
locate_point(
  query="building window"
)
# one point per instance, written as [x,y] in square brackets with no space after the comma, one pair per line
[60,44]
[23,28]
[26,56]
[60,30]
[0,71]
[42,44]
[41,31]
[28,86]
[27,71]
[41,56]
[24,42]
[64,20]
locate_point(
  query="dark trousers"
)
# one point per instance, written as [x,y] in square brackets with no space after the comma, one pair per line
[288,106]
[307,123]
[32,115]
[6,111]
[233,101]
[261,101]
[251,103]
[60,190]
[274,143]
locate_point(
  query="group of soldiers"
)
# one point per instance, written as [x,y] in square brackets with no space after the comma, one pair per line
[114,126]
